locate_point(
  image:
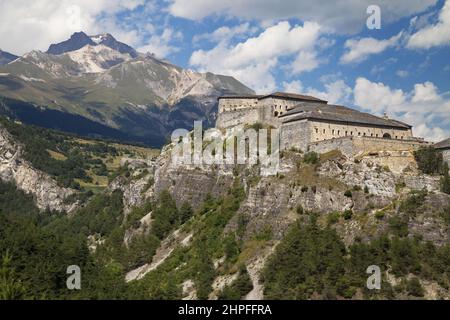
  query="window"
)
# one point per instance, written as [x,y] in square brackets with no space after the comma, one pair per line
[359,133]
[339,132]
[323,131]
[317,130]
[332,132]
[346,132]
[364,134]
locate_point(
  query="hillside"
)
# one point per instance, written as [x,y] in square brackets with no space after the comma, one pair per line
[164,231]
[97,81]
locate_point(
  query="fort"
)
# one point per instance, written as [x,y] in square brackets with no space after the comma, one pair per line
[308,123]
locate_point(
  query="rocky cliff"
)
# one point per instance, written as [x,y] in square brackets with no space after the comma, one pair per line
[13,168]
[356,197]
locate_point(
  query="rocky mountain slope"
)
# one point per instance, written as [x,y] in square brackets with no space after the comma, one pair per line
[100,79]
[6,57]
[14,168]
[359,199]
[162,230]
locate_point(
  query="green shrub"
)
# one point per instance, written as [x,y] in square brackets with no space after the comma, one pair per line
[429,160]
[239,287]
[348,194]
[347,214]
[379,215]
[311,157]
[333,218]
[300,209]
[445,180]
[414,287]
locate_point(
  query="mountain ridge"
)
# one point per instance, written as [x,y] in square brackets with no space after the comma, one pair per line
[107,82]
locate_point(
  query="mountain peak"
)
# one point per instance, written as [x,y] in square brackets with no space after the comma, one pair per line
[6,57]
[77,41]
[80,39]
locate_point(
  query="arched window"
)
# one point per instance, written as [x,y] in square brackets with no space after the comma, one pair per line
[276,114]
[387,136]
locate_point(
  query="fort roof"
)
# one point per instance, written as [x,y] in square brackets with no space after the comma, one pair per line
[280,95]
[242,96]
[445,144]
[339,114]
[293,96]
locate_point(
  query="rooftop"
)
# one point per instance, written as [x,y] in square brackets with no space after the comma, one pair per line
[337,113]
[444,144]
[240,96]
[282,95]
[293,96]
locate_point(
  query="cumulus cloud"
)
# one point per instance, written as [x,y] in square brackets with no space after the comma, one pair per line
[335,92]
[423,107]
[360,49]
[161,44]
[345,16]
[26,24]
[252,60]
[226,33]
[433,35]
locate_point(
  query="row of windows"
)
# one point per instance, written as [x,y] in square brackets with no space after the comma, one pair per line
[333,132]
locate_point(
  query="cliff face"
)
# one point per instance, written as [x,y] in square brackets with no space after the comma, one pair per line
[333,186]
[13,168]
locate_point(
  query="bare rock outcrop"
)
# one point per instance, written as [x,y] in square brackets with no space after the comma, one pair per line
[13,168]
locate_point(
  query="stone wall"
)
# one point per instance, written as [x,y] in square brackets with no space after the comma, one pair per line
[351,146]
[295,135]
[446,154]
[233,118]
[325,130]
[232,104]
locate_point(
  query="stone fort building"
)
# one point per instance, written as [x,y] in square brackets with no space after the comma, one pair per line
[311,124]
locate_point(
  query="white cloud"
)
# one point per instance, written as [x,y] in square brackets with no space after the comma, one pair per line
[423,107]
[402,73]
[226,33]
[336,92]
[305,61]
[27,24]
[160,45]
[425,92]
[434,35]
[360,49]
[345,16]
[294,86]
[253,60]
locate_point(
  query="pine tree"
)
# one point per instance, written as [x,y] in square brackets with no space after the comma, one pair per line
[11,288]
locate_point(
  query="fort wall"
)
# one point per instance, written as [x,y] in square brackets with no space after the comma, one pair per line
[446,155]
[351,146]
[295,135]
[233,118]
[326,130]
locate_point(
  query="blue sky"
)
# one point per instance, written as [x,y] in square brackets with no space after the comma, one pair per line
[323,48]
